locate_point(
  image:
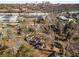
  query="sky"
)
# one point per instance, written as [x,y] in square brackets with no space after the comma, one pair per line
[32,1]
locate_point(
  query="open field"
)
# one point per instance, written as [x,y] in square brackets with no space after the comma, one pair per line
[39,30]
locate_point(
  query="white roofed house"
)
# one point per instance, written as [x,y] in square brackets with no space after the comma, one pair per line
[63,18]
[9,18]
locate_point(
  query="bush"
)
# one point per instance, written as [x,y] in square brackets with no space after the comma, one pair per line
[26,51]
[6,55]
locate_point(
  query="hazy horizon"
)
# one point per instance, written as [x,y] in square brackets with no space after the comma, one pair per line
[39,1]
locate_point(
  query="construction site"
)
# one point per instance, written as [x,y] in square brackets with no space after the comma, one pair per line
[32,30]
